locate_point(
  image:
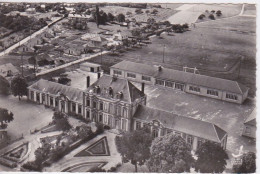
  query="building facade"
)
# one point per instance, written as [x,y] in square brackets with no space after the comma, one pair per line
[116,102]
[197,84]
[249,128]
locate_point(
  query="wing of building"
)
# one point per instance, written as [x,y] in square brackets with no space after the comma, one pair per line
[197,84]
[116,102]
[249,128]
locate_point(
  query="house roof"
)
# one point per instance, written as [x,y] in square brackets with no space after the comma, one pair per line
[90,64]
[8,67]
[129,91]
[53,88]
[44,56]
[181,76]
[182,124]
[251,119]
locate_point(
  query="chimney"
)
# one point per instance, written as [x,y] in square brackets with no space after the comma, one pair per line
[143,87]
[88,81]
[98,75]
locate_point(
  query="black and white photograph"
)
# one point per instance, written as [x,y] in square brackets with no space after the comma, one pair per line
[128,87]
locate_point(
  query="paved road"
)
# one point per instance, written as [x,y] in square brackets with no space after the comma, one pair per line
[8,50]
[71,63]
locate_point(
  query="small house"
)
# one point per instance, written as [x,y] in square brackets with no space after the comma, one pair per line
[34,41]
[249,129]
[8,70]
[25,49]
[90,67]
[30,11]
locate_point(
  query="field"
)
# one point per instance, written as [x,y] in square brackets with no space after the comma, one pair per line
[163,13]
[214,47]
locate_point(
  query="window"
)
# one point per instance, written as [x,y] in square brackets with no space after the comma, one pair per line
[178,134]
[146,78]
[231,96]
[212,92]
[116,72]
[124,124]
[79,109]
[131,75]
[155,133]
[38,97]
[94,104]
[32,95]
[190,140]
[73,107]
[146,125]
[88,102]
[138,125]
[169,131]
[110,123]
[169,84]
[199,143]
[194,88]
[159,82]
[56,102]
[248,130]
[51,101]
[101,106]
[88,114]
[119,110]
[111,109]
[179,86]
[125,112]
[100,117]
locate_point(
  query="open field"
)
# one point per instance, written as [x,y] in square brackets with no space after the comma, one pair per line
[214,47]
[162,15]
[250,9]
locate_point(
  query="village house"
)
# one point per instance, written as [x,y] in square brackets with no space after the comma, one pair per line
[8,70]
[74,49]
[217,88]
[119,36]
[90,67]
[34,41]
[30,11]
[25,49]
[116,102]
[94,40]
[249,129]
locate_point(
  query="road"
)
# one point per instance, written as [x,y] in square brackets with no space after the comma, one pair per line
[11,48]
[71,63]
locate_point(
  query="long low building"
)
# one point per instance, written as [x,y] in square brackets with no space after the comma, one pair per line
[217,88]
[116,102]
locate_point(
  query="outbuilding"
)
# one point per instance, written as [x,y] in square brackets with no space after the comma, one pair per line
[90,67]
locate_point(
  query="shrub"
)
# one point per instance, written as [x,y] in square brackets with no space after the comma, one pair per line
[212,17]
[32,166]
[219,13]
[96,169]
[106,127]
[112,169]
[138,11]
[201,16]
[100,128]
[212,11]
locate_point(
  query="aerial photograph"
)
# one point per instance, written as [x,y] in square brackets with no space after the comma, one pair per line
[128,87]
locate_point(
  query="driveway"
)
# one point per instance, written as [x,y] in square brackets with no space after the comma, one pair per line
[27,115]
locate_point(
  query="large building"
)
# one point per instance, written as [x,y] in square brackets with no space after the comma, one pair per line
[197,84]
[249,129]
[116,102]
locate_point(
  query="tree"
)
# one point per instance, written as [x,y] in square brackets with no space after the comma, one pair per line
[19,86]
[84,131]
[211,158]
[121,18]
[219,13]
[64,80]
[212,17]
[138,11]
[170,153]
[41,154]
[201,16]
[63,124]
[110,17]
[58,115]
[4,86]
[5,117]
[248,164]
[134,146]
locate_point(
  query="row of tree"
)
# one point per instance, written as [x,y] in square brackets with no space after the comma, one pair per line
[171,154]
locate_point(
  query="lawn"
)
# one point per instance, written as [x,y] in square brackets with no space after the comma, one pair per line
[214,47]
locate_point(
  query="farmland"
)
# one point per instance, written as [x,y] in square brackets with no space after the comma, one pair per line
[214,47]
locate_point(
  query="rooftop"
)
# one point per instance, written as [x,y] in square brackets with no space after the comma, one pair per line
[56,89]
[129,93]
[251,119]
[8,67]
[90,64]
[182,124]
[181,76]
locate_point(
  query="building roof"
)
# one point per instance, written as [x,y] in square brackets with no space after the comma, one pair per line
[251,119]
[8,67]
[129,92]
[182,124]
[181,76]
[90,64]
[53,88]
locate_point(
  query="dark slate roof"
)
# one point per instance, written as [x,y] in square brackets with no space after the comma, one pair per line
[251,119]
[184,77]
[182,124]
[53,88]
[130,92]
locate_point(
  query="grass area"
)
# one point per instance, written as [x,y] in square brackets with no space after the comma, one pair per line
[250,9]
[215,48]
